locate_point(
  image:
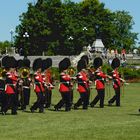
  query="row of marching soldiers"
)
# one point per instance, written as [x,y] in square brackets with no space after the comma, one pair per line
[83,81]
[16,82]
[12,84]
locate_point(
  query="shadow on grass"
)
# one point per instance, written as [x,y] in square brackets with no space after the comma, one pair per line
[52,109]
[134,114]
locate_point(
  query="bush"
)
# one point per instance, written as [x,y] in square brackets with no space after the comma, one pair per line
[126,73]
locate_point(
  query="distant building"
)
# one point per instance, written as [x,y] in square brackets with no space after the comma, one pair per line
[98,46]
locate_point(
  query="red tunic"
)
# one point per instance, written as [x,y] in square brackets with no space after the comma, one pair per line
[116,79]
[48,79]
[82,82]
[11,81]
[99,79]
[39,82]
[64,82]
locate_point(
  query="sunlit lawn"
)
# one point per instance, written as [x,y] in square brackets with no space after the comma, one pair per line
[109,123]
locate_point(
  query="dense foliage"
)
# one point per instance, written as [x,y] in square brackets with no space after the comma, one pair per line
[5,46]
[64,28]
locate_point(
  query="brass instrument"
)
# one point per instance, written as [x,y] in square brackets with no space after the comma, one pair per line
[24,72]
[71,71]
[3,72]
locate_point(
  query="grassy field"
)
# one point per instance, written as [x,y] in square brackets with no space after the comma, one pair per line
[109,123]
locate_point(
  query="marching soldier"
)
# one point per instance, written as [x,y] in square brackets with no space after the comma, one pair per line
[10,85]
[2,87]
[89,74]
[71,72]
[49,83]
[25,82]
[99,82]
[83,86]
[64,87]
[116,82]
[38,86]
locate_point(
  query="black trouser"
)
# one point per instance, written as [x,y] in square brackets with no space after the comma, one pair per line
[88,95]
[48,98]
[1,97]
[25,99]
[100,96]
[83,100]
[39,103]
[2,100]
[116,97]
[66,100]
[11,102]
[71,96]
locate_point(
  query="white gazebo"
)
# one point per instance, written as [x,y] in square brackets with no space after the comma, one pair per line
[98,45]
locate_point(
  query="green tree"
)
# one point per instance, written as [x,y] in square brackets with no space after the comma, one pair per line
[4,46]
[123,37]
[56,27]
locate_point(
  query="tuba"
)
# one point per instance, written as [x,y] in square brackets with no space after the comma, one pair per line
[24,72]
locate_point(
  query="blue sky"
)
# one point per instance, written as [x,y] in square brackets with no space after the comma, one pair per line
[10,10]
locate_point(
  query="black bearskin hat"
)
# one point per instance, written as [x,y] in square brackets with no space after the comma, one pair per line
[9,62]
[37,64]
[67,60]
[81,65]
[64,64]
[4,61]
[46,63]
[115,63]
[20,63]
[97,62]
[26,62]
[85,57]
[49,62]
[12,62]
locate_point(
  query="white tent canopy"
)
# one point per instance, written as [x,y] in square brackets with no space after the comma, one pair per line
[98,45]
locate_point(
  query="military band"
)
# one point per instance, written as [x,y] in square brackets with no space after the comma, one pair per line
[13,84]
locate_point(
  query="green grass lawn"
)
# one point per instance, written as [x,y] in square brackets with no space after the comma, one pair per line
[109,123]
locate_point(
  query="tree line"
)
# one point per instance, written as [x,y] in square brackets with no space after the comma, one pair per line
[58,27]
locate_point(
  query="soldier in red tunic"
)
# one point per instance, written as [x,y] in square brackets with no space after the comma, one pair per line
[2,86]
[38,86]
[64,87]
[83,86]
[48,82]
[116,82]
[99,82]
[25,83]
[10,86]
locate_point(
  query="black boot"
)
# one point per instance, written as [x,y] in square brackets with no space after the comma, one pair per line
[41,110]
[32,110]
[92,105]
[109,103]
[56,108]
[75,107]
[14,113]
[67,109]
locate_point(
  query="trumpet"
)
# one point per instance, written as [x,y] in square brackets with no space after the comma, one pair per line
[3,72]
[24,72]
